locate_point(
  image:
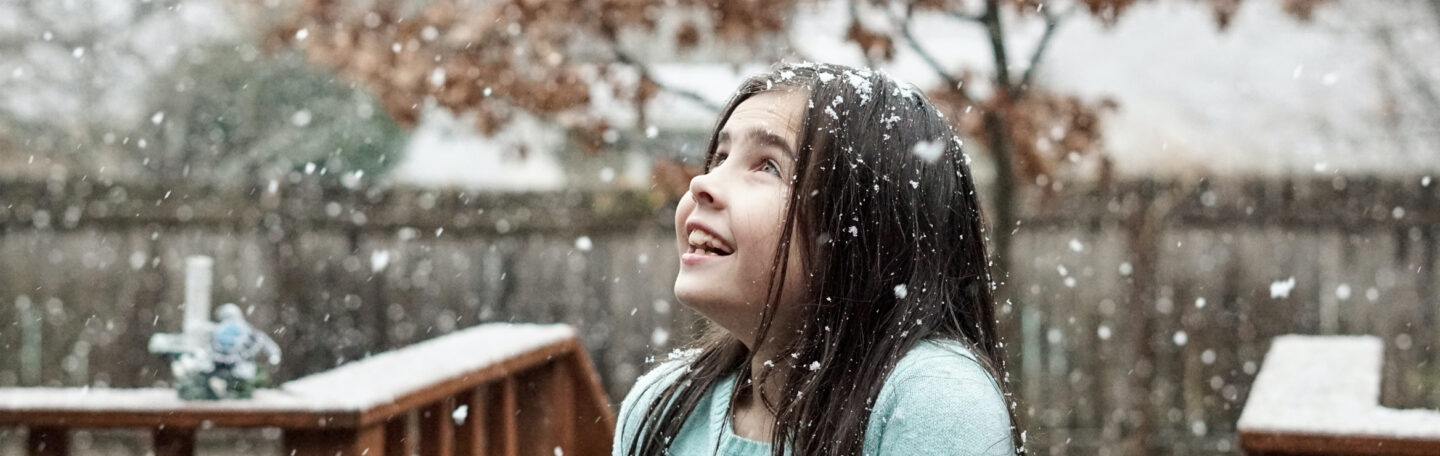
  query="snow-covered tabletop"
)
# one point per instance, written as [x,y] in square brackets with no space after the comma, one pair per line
[1329,386]
[350,388]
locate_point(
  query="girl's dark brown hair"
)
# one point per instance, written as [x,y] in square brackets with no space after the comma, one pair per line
[882,198]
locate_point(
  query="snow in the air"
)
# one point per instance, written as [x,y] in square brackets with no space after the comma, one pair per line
[929,150]
[1280,289]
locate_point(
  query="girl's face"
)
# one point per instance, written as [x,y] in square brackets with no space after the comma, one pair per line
[727,227]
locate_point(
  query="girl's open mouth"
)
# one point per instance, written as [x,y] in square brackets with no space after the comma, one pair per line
[703,243]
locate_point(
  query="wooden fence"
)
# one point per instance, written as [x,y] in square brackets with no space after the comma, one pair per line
[1137,316]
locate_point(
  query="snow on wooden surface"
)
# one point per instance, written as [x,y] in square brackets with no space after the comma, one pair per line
[136,400]
[382,378]
[354,386]
[1329,385]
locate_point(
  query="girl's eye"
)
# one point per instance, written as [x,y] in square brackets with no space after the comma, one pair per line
[719,158]
[771,167]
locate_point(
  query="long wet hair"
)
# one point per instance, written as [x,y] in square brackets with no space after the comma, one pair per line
[883,206]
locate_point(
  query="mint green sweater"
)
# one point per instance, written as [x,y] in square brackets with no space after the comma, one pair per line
[937,401]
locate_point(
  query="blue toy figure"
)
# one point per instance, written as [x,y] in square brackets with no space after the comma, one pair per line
[224,368]
[213,360]
[234,344]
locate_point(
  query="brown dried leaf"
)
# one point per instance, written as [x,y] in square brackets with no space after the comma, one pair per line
[878,46]
[672,176]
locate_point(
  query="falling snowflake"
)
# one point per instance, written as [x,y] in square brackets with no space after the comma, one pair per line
[301,118]
[901,292]
[437,77]
[1280,289]
[584,244]
[378,260]
[928,150]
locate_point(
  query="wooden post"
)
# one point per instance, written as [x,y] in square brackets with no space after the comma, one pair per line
[561,385]
[503,435]
[437,428]
[470,438]
[369,441]
[1141,237]
[48,441]
[595,423]
[174,441]
[397,435]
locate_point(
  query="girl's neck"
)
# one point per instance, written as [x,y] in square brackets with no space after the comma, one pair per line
[772,366]
[752,419]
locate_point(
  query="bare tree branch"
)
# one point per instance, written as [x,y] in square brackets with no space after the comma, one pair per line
[1412,76]
[854,10]
[966,17]
[991,19]
[1435,8]
[903,23]
[1052,21]
[623,57]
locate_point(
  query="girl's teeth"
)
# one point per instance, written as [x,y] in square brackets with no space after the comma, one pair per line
[704,242]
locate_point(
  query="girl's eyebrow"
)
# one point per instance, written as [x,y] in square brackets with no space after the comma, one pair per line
[763,137]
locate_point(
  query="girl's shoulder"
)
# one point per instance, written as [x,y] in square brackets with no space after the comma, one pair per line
[649,385]
[645,391]
[940,398]
[935,353]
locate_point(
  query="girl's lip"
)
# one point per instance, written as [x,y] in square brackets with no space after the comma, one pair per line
[697,258]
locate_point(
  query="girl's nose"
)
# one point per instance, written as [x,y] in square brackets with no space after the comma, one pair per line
[703,189]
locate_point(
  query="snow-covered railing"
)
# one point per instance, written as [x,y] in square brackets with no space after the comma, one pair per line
[497,389]
[1319,395]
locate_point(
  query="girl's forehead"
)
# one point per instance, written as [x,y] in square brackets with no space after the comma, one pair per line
[778,112]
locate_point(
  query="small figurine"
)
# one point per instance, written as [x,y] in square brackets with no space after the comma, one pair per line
[227,370]
[214,360]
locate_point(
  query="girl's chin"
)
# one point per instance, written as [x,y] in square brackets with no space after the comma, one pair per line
[701,296]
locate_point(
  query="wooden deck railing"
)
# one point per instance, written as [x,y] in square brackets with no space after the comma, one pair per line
[490,390]
[1319,395]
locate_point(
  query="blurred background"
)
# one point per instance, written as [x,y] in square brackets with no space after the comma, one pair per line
[1170,183]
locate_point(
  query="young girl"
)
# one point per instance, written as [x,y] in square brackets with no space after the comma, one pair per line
[834,242]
